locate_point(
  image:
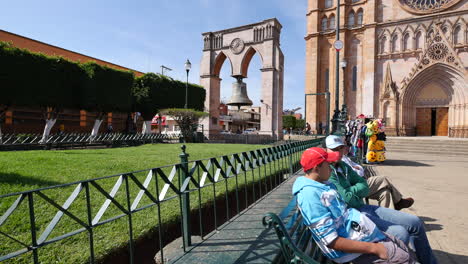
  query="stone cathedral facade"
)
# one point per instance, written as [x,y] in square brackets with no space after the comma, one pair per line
[405,61]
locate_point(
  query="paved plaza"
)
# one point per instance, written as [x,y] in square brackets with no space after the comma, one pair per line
[439,186]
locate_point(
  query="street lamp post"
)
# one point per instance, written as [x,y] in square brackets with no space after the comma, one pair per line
[344,108]
[188,66]
[339,117]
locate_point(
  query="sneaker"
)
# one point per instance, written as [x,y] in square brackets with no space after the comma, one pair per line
[404,203]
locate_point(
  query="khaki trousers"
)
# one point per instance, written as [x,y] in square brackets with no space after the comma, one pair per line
[382,190]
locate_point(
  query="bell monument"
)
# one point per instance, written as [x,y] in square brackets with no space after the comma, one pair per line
[239,45]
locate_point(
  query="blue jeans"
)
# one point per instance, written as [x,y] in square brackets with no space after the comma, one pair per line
[408,228]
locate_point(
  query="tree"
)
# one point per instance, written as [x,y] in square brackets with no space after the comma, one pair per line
[153,92]
[105,90]
[289,121]
[186,119]
[300,124]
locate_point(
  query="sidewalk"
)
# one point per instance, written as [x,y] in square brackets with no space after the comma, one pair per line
[439,186]
[243,239]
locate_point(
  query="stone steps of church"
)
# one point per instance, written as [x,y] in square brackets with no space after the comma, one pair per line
[443,146]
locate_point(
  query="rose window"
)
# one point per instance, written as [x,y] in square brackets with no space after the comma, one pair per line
[426,6]
[438,51]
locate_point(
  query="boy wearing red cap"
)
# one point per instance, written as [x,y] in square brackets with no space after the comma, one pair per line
[343,234]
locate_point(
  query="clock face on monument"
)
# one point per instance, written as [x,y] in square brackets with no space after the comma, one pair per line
[237,46]
[426,6]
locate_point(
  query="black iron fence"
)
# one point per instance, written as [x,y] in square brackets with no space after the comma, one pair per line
[242,139]
[82,221]
[71,140]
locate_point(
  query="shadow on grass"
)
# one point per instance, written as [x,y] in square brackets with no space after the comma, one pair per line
[407,163]
[14,178]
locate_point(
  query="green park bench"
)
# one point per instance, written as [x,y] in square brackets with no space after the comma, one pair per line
[296,242]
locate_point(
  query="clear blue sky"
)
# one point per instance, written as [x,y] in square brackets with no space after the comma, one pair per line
[145,34]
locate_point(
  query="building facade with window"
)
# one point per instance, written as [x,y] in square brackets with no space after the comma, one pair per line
[406,62]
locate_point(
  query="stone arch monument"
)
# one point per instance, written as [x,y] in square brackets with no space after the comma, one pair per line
[239,45]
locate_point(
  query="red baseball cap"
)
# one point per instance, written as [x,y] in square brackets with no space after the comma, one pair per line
[312,157]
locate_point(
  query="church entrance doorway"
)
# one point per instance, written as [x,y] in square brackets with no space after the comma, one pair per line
[432,121]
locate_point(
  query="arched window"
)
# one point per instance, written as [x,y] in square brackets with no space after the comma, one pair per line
[354,78]
[383,45]
[324,23]
[417,40]
[332,22]
[445,31]
[457,35]
[406,42]
[328,3]
[359,18]
[430,34]
[351,19]
[394,45]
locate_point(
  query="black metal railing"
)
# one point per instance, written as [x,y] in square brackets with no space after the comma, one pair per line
[32,141]
[36,225]
[242,139]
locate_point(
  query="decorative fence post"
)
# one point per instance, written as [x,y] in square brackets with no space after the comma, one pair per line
[290,154]
[185,197]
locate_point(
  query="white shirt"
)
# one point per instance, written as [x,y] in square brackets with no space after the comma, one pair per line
[356,167]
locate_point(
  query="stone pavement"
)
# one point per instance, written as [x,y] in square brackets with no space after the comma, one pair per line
[439,186]
[243,239]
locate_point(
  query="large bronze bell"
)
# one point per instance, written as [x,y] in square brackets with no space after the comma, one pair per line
[239,94]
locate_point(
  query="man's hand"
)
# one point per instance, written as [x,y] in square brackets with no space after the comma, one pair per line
[380,251]
[352,246]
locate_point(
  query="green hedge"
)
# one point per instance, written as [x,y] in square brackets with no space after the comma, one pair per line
[34,79]
[106,89]
[154,92]
[289,121]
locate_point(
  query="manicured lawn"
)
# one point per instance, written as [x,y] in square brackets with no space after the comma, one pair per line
[26,170]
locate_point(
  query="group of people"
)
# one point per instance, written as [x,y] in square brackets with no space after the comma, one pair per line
[330,199]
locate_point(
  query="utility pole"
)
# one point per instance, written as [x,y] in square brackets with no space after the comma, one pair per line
[164,68]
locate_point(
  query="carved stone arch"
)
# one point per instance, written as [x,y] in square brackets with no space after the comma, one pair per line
[438,65]
[239,45]
[219,62]
[453,83]
[251,51]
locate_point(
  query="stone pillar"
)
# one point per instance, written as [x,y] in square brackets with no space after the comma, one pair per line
[312,66]
[212,85]
[369,86]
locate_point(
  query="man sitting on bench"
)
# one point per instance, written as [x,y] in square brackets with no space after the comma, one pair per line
[407,227]
[380,188]
[343,234]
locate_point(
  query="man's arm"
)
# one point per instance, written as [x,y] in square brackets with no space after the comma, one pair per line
[359,185]
[351,193]
[352,246]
